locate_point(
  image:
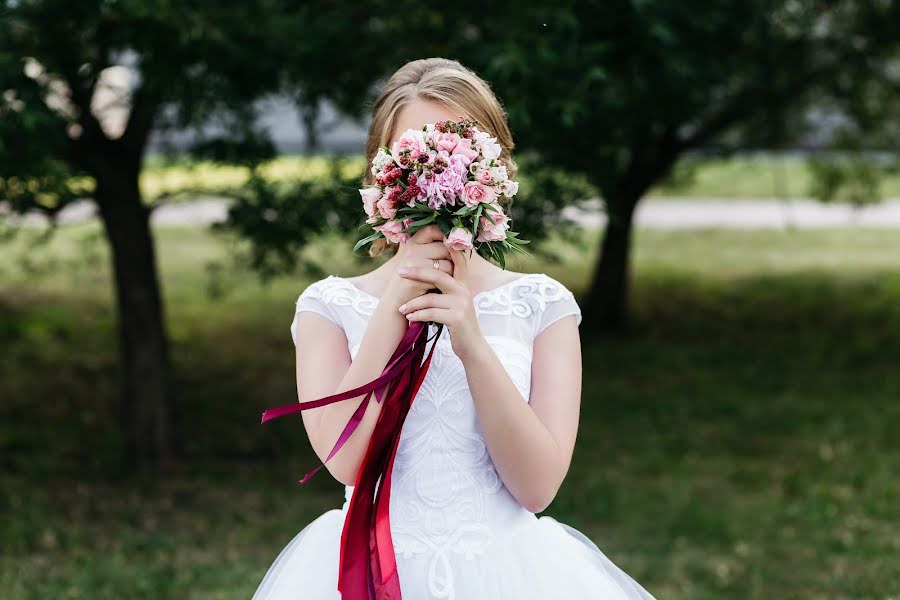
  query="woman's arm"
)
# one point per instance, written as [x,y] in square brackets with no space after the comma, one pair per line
[324,366]
[530,443]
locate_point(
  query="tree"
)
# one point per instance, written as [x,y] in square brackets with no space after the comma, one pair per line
[68,68]
[622,90]
[85,83]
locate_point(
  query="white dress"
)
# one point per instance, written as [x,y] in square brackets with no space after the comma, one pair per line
[458,533]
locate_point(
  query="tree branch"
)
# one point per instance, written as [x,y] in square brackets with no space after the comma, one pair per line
[749,102]
[140,122]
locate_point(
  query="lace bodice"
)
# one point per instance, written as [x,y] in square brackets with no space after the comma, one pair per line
[446,495]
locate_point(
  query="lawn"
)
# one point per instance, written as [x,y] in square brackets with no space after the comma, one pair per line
[740,442]
[745,176]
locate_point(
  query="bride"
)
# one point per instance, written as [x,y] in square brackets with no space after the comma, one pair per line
[490,434]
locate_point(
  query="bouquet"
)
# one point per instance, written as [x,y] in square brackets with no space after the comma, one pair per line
[447,173]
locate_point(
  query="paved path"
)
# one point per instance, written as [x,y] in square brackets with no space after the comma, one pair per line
[654,213]
[681,213]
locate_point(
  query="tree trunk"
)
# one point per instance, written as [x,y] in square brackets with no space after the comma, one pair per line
[310,116]
[146,396]
[607,299]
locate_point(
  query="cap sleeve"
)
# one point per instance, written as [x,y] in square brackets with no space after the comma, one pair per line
[314,299]
[558,302]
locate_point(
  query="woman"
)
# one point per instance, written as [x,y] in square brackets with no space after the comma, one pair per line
[489,437]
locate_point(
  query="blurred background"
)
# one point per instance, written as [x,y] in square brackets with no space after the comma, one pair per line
[718,182]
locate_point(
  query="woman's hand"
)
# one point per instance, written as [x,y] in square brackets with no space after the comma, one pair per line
[423,249]
[453,307]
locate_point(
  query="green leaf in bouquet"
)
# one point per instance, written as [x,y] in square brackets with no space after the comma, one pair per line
[424,220]
[366,240]
[411,230]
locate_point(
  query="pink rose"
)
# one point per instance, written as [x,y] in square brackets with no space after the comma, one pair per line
[369,197]
[464,148]
[474,192]
[484,177]
[496,231]
[446,141]
[387,208]
[393,230]
[459,239]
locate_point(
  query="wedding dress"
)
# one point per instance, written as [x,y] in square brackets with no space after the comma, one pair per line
[458,533]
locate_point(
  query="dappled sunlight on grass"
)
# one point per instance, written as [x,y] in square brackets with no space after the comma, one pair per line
[160,178]
[760,176]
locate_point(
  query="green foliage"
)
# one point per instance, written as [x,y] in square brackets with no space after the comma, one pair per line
[619,90]
[189,65]
[279,218]
[854,178]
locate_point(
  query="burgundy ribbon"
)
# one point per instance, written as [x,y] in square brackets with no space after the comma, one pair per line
[368,566]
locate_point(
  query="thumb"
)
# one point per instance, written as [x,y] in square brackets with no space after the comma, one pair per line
[460,265]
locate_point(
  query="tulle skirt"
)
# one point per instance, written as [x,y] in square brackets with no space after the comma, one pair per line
[542,559]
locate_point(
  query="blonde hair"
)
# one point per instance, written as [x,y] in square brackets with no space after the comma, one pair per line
[445,81]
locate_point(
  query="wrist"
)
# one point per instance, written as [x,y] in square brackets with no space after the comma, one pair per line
[474,349]
[394,294]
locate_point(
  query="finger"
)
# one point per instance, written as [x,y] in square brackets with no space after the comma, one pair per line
[436,249]
[438,315]
[429,300]
[443,264]
[460,260]
[429,233]
[436,277]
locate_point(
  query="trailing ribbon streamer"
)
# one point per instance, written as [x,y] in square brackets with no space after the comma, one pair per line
[368,566]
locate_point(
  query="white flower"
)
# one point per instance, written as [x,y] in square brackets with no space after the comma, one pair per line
[487,144]
[498,173]
[509,188]
[430,133]
[381,160]
[481,137]
[490,150]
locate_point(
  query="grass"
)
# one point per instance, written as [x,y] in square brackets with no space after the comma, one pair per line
[765,175]
[740,443]
[751,176]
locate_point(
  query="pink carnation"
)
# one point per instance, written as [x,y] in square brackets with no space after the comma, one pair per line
[459,239]
[474,192]
[496,231]
[444,187]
